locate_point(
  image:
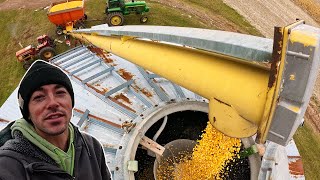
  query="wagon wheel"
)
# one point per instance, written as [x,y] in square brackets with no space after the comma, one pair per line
[46,53]
[143,19]
[84,18]
[80,25]
[59,30]
[115,19]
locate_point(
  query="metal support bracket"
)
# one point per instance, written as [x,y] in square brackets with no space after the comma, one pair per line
[152,145]
[83,117]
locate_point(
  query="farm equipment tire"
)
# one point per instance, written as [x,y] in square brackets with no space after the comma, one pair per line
[143,19]
[46,53]
[84,18]
[115,19]
[79,25]
[59,31]
[26,66]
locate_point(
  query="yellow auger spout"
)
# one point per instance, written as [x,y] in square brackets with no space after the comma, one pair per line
[241,98]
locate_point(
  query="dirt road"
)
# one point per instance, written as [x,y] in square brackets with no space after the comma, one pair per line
[21,4]
[265,14]
[210,18]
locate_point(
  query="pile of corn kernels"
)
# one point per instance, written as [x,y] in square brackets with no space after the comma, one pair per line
[208,160]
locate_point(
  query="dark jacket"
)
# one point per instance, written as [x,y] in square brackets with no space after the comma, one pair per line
[20,159]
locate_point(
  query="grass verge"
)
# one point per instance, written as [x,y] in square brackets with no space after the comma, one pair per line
[161,15]
[308,143]
[15,27]
[217,7]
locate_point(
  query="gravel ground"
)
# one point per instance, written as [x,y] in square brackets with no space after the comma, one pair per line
[265,14]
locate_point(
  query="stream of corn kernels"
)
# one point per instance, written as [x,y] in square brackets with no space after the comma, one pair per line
[209,157]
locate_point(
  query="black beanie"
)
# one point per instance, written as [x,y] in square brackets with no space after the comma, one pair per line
[39,74]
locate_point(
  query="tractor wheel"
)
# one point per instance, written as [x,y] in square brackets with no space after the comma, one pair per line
[143,19]
[46,53]
[115,19]
[26,66]
[59,31]
[84,18]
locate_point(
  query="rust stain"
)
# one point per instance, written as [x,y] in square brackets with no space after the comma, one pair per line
[77,77]
[126,75]
[104,90]
[101,53]
[3,120]
[97,84]
[123,97]
[97,90]
[296,167]
[85,128]
[136,88]
[276,55]
[108,60]
[146,92]
[100,119]
[121,104]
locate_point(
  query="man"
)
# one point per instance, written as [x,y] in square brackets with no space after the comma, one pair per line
[44,145]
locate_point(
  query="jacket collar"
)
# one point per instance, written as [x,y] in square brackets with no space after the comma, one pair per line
[5,134]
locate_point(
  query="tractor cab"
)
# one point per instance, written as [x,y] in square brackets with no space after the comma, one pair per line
[116,9]
[44,39]
[115,4]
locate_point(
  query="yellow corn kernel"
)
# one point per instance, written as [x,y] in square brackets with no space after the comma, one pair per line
[212,152]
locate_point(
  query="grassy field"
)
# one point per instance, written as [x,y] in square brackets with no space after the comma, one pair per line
[217,7]
[15,27]
[308,143]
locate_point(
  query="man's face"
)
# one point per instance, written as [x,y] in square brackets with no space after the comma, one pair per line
[50,109]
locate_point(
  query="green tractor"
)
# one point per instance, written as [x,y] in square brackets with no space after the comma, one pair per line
[116,9]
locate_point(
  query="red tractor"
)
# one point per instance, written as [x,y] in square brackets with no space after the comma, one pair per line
[44,50]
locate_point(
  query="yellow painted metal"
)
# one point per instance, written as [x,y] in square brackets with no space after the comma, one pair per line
[242,100]
[243,86]
[69,26]
[66,6]
[306,38]
[227,120]
[273,93]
